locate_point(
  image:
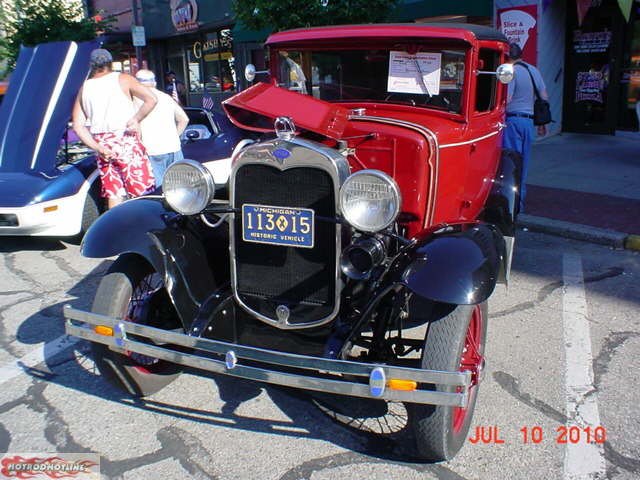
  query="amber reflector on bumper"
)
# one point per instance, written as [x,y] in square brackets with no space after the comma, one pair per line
[104,330]
[405,385]
[52,208]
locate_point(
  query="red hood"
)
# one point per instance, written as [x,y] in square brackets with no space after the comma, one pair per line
[257,107]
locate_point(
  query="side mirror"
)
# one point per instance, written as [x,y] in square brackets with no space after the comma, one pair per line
[504,72]
[250,72]
[192,135]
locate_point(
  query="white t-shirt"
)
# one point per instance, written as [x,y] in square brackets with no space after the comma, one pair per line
[159,130]
[107,107]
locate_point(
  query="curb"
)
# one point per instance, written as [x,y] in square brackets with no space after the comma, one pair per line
[585,233]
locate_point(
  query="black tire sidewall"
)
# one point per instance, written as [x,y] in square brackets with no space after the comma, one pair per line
[433,425]
[112,299]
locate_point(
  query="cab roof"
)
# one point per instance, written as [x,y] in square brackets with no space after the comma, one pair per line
[466,32]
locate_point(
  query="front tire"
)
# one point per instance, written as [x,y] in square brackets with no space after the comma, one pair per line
[454,342]
[132,290]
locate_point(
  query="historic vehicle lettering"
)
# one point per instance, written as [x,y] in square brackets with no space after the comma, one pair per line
[277,226]
[353,252]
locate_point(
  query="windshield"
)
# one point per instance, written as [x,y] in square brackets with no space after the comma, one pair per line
[431,78]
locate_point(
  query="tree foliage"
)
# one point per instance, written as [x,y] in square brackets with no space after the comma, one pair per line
[31,22]
[287,14]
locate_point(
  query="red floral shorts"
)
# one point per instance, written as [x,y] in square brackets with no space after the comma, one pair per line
[128,174]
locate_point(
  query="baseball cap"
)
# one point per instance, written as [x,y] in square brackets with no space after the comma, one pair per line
[145,76]
[100,57]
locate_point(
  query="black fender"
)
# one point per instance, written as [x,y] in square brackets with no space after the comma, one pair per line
[193,262]
[503,204]
[459,264]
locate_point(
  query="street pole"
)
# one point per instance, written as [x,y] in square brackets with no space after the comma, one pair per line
[136,21]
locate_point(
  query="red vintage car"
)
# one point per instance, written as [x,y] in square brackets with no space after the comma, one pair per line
[355,245]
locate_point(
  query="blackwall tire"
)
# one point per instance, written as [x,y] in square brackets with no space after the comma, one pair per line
[90,213]
[116,292]
[440,431]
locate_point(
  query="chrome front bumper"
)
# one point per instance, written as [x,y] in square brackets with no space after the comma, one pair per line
[319,374]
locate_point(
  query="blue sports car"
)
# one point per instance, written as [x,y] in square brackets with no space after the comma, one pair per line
[50,186]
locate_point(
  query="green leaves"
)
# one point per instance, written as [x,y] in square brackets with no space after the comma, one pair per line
[40,21]
[287,14]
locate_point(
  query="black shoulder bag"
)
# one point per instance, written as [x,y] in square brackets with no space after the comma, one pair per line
[541,108]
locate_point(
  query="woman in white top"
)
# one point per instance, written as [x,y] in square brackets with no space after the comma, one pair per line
[105,103]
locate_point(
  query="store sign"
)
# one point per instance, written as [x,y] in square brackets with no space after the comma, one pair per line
[591,42]
[589,86]
[184,15]
[199,47]
[137,36]
[519,25]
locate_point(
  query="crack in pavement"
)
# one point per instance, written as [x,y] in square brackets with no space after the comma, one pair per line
[7,340]
[63,265]
[548,289]
[601,363]
[609,346]
[9,261]
[5,438]
[175,443]
[511,385]
[306,469]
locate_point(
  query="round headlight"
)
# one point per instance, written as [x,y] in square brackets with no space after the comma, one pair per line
[188,187]
[370,200]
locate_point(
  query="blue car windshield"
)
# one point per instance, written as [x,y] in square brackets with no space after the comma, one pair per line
[433,78]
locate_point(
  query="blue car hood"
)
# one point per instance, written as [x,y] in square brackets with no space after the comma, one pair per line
[21,189]
[38,104]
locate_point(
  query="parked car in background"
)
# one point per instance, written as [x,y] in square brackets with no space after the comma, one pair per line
[357,248]
[49,182]
[211,137]
[48,186]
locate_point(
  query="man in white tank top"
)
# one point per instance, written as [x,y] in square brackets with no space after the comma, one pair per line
[161,129]
[106,120]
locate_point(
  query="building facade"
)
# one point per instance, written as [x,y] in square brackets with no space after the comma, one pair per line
[588,52]
[207,50]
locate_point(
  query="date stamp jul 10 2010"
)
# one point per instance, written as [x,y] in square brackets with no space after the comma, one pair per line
[535,435]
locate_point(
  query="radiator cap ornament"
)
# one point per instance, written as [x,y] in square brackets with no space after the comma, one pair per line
[282,312]
[285,128]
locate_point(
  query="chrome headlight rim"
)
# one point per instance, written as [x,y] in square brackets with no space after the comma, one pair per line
[394,188]
[209,184]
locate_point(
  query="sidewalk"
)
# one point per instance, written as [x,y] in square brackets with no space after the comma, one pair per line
[586,187]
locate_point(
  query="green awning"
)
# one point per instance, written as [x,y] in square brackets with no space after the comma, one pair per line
[412,9]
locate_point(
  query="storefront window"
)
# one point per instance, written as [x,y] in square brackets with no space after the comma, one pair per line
[211,64]
[630,115]
[195,80]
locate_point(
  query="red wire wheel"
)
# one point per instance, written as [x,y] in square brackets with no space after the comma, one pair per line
[133,291]
[472,360]
[455,341]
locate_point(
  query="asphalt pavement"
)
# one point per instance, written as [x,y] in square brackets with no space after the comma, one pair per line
[563,349]
[586,187]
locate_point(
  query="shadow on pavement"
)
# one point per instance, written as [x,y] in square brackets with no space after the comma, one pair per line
[19,244]
[73,369]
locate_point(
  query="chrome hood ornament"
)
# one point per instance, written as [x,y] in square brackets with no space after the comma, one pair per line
[285,128]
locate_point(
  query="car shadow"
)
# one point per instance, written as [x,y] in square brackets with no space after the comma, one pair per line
[309,415]
[19,244]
